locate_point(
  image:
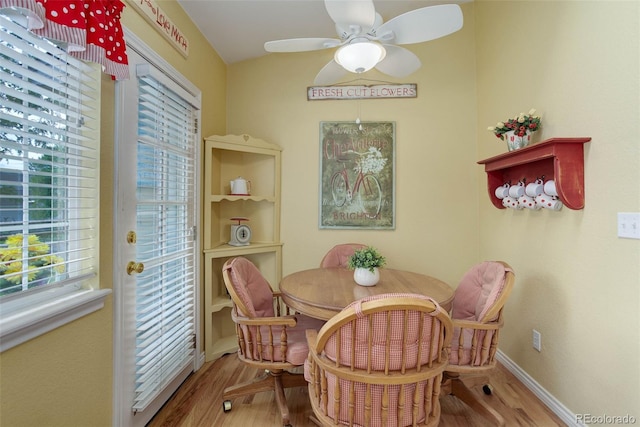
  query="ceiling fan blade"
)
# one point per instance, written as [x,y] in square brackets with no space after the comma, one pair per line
[398,62]
[330,73]
[346,13]
[422,25]
[300,45]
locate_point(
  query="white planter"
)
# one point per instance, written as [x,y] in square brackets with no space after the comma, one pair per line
[364,277]
[515,142]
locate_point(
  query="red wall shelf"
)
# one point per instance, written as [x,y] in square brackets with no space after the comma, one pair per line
[560,159]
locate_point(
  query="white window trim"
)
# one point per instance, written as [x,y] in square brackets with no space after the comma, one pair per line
[47,310]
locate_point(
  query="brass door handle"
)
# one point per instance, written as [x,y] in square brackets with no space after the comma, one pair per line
[134,267]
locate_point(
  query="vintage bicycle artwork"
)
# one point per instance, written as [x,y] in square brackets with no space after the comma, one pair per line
[366,185]
[357,174]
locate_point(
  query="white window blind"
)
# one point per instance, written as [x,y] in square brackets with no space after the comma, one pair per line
[165,291]
[48,165]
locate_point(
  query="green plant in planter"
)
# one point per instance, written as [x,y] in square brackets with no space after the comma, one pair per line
[368,258]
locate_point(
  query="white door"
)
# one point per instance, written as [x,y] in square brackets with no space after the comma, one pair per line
[155,259]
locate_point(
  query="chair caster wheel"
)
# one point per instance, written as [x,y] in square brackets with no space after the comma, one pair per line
[226,406]
[487,389]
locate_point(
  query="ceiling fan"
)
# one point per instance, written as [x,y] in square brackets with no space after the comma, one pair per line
[366,41]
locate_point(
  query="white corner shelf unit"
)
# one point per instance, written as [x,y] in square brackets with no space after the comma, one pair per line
[226,158]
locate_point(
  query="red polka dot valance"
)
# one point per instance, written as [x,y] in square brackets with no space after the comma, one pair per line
[89,29]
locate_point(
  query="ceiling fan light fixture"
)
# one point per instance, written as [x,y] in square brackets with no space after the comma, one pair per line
[360,57]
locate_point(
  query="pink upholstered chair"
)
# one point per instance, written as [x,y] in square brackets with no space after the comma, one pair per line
[477,319]
[339,255]
[266,339]
[379,362]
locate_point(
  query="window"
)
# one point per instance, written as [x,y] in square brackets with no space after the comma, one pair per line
[165,220]
[49,181]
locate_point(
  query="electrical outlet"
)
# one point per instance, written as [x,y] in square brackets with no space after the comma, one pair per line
[537,340]
[629,225]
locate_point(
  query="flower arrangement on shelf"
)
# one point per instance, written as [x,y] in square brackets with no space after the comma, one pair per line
[368,258]
[41,263]
[520,124]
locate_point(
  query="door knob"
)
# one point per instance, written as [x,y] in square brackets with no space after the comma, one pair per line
[135,267]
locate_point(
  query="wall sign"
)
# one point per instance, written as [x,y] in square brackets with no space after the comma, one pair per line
[357,174]
[161,22]
[317,93]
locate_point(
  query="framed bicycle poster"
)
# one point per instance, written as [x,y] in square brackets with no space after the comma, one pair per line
[357,175]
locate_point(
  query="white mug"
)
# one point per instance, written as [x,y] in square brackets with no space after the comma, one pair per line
[511,203]
[534,188]
[528,202]
[548,202]
[550,188]
[502,191]
[516,191]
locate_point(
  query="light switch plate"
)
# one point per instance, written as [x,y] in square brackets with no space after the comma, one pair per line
[629,225]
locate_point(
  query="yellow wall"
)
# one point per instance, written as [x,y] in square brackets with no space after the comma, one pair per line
[436,191]
[65,378]
[577,283]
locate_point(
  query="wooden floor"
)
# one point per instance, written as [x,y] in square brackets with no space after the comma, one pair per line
[198,402]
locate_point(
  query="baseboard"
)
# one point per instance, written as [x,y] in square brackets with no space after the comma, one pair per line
[568,417]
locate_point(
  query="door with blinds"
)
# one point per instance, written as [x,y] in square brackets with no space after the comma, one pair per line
[155,300]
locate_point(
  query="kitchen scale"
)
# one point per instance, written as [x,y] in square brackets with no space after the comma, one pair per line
[240,233]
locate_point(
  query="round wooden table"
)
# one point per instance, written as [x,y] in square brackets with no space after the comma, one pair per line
[323,292]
